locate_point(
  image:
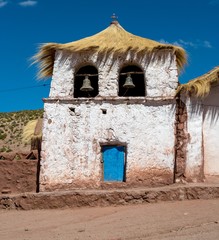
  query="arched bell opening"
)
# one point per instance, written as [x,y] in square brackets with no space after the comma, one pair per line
[131,82]
[86,82]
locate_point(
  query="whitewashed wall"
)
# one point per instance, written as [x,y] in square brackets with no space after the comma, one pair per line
[203,136]
[161,77]
[211,132]
[71,147]
[71,151]
[194,154]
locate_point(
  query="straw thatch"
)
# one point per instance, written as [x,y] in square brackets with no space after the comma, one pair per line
[200,86]
[32,133]
[112,39]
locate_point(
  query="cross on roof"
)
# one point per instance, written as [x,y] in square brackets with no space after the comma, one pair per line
[114,17]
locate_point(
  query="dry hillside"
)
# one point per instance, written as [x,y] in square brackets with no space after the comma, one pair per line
[11,128]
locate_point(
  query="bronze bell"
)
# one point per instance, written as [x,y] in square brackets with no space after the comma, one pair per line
[128,82]
[86,87]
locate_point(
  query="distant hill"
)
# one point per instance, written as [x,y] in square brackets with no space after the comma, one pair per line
[11,129]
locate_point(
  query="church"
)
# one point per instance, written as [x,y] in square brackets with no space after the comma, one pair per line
[117,117]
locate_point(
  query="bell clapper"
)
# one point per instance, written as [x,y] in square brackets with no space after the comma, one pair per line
[125,92]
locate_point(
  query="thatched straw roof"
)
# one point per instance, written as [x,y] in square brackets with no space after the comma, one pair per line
[200,86]
[112,39]
[32,133]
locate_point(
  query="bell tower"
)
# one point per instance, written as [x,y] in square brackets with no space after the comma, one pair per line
[109,119]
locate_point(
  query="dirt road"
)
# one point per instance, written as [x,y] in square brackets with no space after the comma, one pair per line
[186,220]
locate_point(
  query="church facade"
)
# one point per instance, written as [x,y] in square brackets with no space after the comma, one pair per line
[113,119]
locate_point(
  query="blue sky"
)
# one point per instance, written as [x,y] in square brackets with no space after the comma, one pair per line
[25,24]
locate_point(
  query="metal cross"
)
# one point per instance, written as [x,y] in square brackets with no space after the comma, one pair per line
[114,17]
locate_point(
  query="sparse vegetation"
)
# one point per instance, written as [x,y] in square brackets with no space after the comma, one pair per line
[11,128]
[5,149]
[3,135]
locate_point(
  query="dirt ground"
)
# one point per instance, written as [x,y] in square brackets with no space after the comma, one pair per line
[183,220]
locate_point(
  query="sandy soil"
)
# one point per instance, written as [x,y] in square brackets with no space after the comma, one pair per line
[186,220]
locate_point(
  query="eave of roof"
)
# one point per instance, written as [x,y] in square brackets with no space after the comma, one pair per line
[200,86]
[113,39]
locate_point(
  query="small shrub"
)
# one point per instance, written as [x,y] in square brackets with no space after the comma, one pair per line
[3,149]
[17,157]
[8,149]
[3,136]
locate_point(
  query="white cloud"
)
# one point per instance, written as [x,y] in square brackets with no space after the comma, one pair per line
[28,3]
[177,43]
[163,41]
[207,44]
[3,3]
[188,44]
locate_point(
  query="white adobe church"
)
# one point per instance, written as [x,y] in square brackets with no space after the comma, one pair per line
[112,118]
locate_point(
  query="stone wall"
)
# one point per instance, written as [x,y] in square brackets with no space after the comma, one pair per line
[181,140]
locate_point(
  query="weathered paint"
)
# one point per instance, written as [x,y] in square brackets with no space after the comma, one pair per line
[113,163]
[194,153]
[71,149]
[75,129]
[211,132]
[203,131]
[161,76]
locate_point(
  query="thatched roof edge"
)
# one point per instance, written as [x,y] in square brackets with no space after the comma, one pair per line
[32,130]
[112,39]
[200,86]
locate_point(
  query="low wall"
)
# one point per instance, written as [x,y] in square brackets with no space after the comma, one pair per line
[94,198]
[18,176]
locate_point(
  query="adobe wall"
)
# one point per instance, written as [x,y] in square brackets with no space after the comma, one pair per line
[194,149]
[161,75]
[17,176]
[181,140]
[211,132]
[203,131]
[74,129]
[71,147]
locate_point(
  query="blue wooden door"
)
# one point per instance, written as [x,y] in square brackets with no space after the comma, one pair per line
[113,163]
